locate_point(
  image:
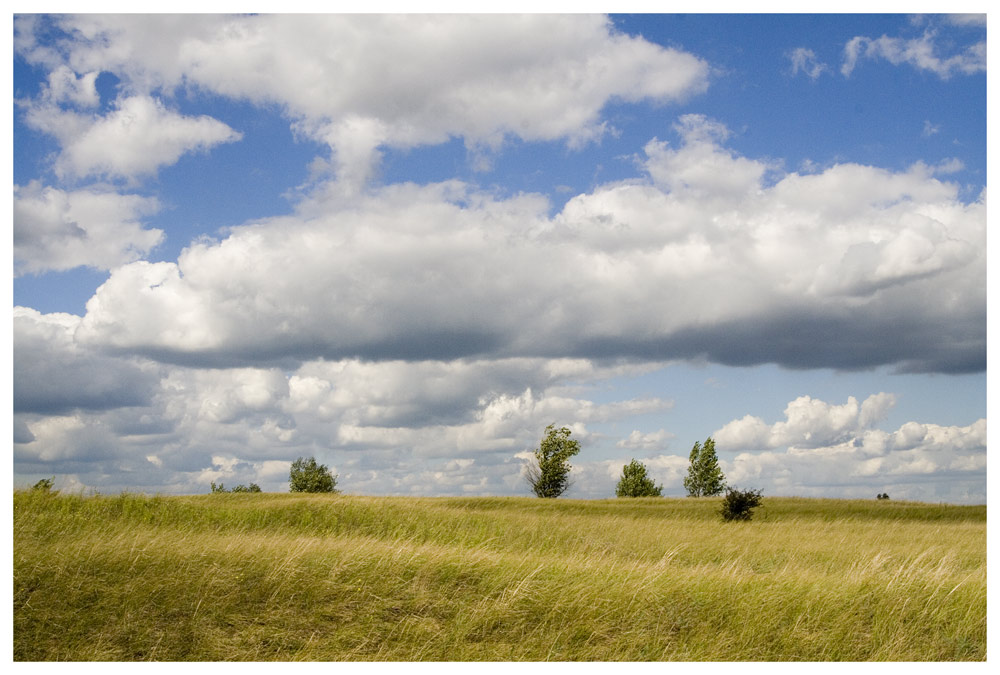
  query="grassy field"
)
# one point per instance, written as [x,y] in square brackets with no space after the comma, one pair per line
[329,577]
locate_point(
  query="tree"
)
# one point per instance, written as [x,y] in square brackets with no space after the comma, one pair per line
[548,473]
[44,485]
[308,476]
[704,478]
[739,504]
[635,483]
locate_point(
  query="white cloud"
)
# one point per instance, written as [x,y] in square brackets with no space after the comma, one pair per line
[809,423]
[805,61]
[390,427]
[59,230]
[64,86]
[967,19]
[825,449]
[136,138]
[921,53]
[930,129]
[654,440]
[919,461]
[54,374]
[361,81]
[702,259]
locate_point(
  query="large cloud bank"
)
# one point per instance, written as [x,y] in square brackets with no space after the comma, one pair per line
[851,267]
[425,333]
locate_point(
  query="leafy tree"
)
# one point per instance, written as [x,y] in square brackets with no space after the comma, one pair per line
[635,483]
[704,478]
[44,485]
[308,476]
[739,504]
[883,495]
[548,472]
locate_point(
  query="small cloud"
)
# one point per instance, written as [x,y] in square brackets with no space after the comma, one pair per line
[805,61]
[967,19]
[930,129]
[656,440]
[921,53]
[949,166]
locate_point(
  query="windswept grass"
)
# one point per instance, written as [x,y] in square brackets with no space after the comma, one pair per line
[333,577]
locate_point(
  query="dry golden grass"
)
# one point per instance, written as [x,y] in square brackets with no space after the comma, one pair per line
[332,577]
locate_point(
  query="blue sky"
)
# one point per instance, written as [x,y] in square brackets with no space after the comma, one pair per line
[406,244]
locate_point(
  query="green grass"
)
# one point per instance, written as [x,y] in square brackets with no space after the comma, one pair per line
[255,577]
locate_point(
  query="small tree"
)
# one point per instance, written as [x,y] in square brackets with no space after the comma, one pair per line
[44,485]
[308,476]
[635,483]
[704,478]
[739,504]
[548,472]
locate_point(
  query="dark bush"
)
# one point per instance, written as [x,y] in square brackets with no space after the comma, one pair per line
[883,495]
[739,504]
[44,485]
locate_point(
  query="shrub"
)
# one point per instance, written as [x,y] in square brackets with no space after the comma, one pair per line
[739,504]
[635,483]
[883,495]
[239,488]
[44,485]
[308,476]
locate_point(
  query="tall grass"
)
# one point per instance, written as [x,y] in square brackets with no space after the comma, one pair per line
[333,577]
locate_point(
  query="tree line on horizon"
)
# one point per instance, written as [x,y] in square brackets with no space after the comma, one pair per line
[547,474]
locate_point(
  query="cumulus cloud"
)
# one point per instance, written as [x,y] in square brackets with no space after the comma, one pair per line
[58,230]
[361,81]
[64,86]
[922,53]
[809,423]
[136,138]
[822,447]
[389,427]
[705,257]
[919,461]
[54,374]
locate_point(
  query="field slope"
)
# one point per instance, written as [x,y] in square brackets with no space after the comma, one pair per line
[332,577]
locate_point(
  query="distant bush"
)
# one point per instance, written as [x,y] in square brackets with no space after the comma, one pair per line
[883,495]
[44,485]
[308,476]
[239,488]
[739,504]
[635,483]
